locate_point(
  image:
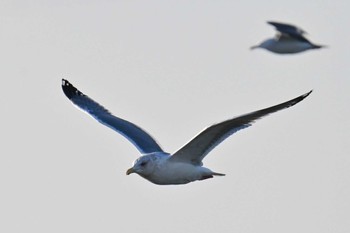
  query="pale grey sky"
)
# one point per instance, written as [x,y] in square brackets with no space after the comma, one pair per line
[173,67]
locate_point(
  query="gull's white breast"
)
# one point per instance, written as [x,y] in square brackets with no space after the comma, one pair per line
[288,46]
[168,172]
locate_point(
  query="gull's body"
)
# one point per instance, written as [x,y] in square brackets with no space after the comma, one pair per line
[164,171]
[183,166]
[289,39]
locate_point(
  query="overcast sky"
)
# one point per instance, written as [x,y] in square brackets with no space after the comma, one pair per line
[173,68]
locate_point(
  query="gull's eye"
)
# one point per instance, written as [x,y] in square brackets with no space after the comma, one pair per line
[143,163]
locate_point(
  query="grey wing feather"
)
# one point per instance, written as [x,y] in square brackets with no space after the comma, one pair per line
[140,138]
[289,30]
[195,150]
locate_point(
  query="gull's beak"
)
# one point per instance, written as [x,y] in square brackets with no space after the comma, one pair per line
[130,170]
[254,47]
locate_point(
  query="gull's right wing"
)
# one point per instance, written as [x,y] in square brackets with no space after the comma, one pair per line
[140,138]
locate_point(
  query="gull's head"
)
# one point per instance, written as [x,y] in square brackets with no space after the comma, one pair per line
[143,166]
[267,44]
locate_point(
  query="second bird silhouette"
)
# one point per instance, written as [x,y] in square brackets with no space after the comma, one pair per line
[288,40]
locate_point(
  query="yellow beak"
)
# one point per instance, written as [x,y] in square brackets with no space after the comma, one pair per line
[130,170]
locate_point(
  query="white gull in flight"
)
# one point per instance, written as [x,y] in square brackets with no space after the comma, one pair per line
[185,165]
[289,39]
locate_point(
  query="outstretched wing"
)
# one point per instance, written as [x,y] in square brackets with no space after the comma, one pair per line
[140,138]
[288,30]
[195,150]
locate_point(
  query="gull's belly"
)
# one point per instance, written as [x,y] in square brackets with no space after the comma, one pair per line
[178,173]
[290,47]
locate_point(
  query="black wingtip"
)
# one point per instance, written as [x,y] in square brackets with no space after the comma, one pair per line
[300,98]
[69,90]
[275,23]
[279,24]
[307,94]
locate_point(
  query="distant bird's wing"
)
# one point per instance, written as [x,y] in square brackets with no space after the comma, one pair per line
[195,150]
[140,138]
[288,30]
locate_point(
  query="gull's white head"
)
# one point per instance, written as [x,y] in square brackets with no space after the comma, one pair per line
[266,44]
[144,166]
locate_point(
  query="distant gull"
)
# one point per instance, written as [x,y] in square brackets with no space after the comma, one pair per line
[185,165]
[289,39]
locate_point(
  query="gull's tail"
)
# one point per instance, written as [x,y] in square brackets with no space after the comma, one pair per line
[218,174]
[315,46]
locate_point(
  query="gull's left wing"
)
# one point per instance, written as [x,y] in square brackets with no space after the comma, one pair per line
[287,28]
[140,138]
[288,31]
[195,150]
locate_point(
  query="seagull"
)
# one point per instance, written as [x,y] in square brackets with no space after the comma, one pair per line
[289,39]
[154,164]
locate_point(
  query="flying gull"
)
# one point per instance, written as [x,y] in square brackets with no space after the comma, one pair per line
[289,39]
[185,165]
